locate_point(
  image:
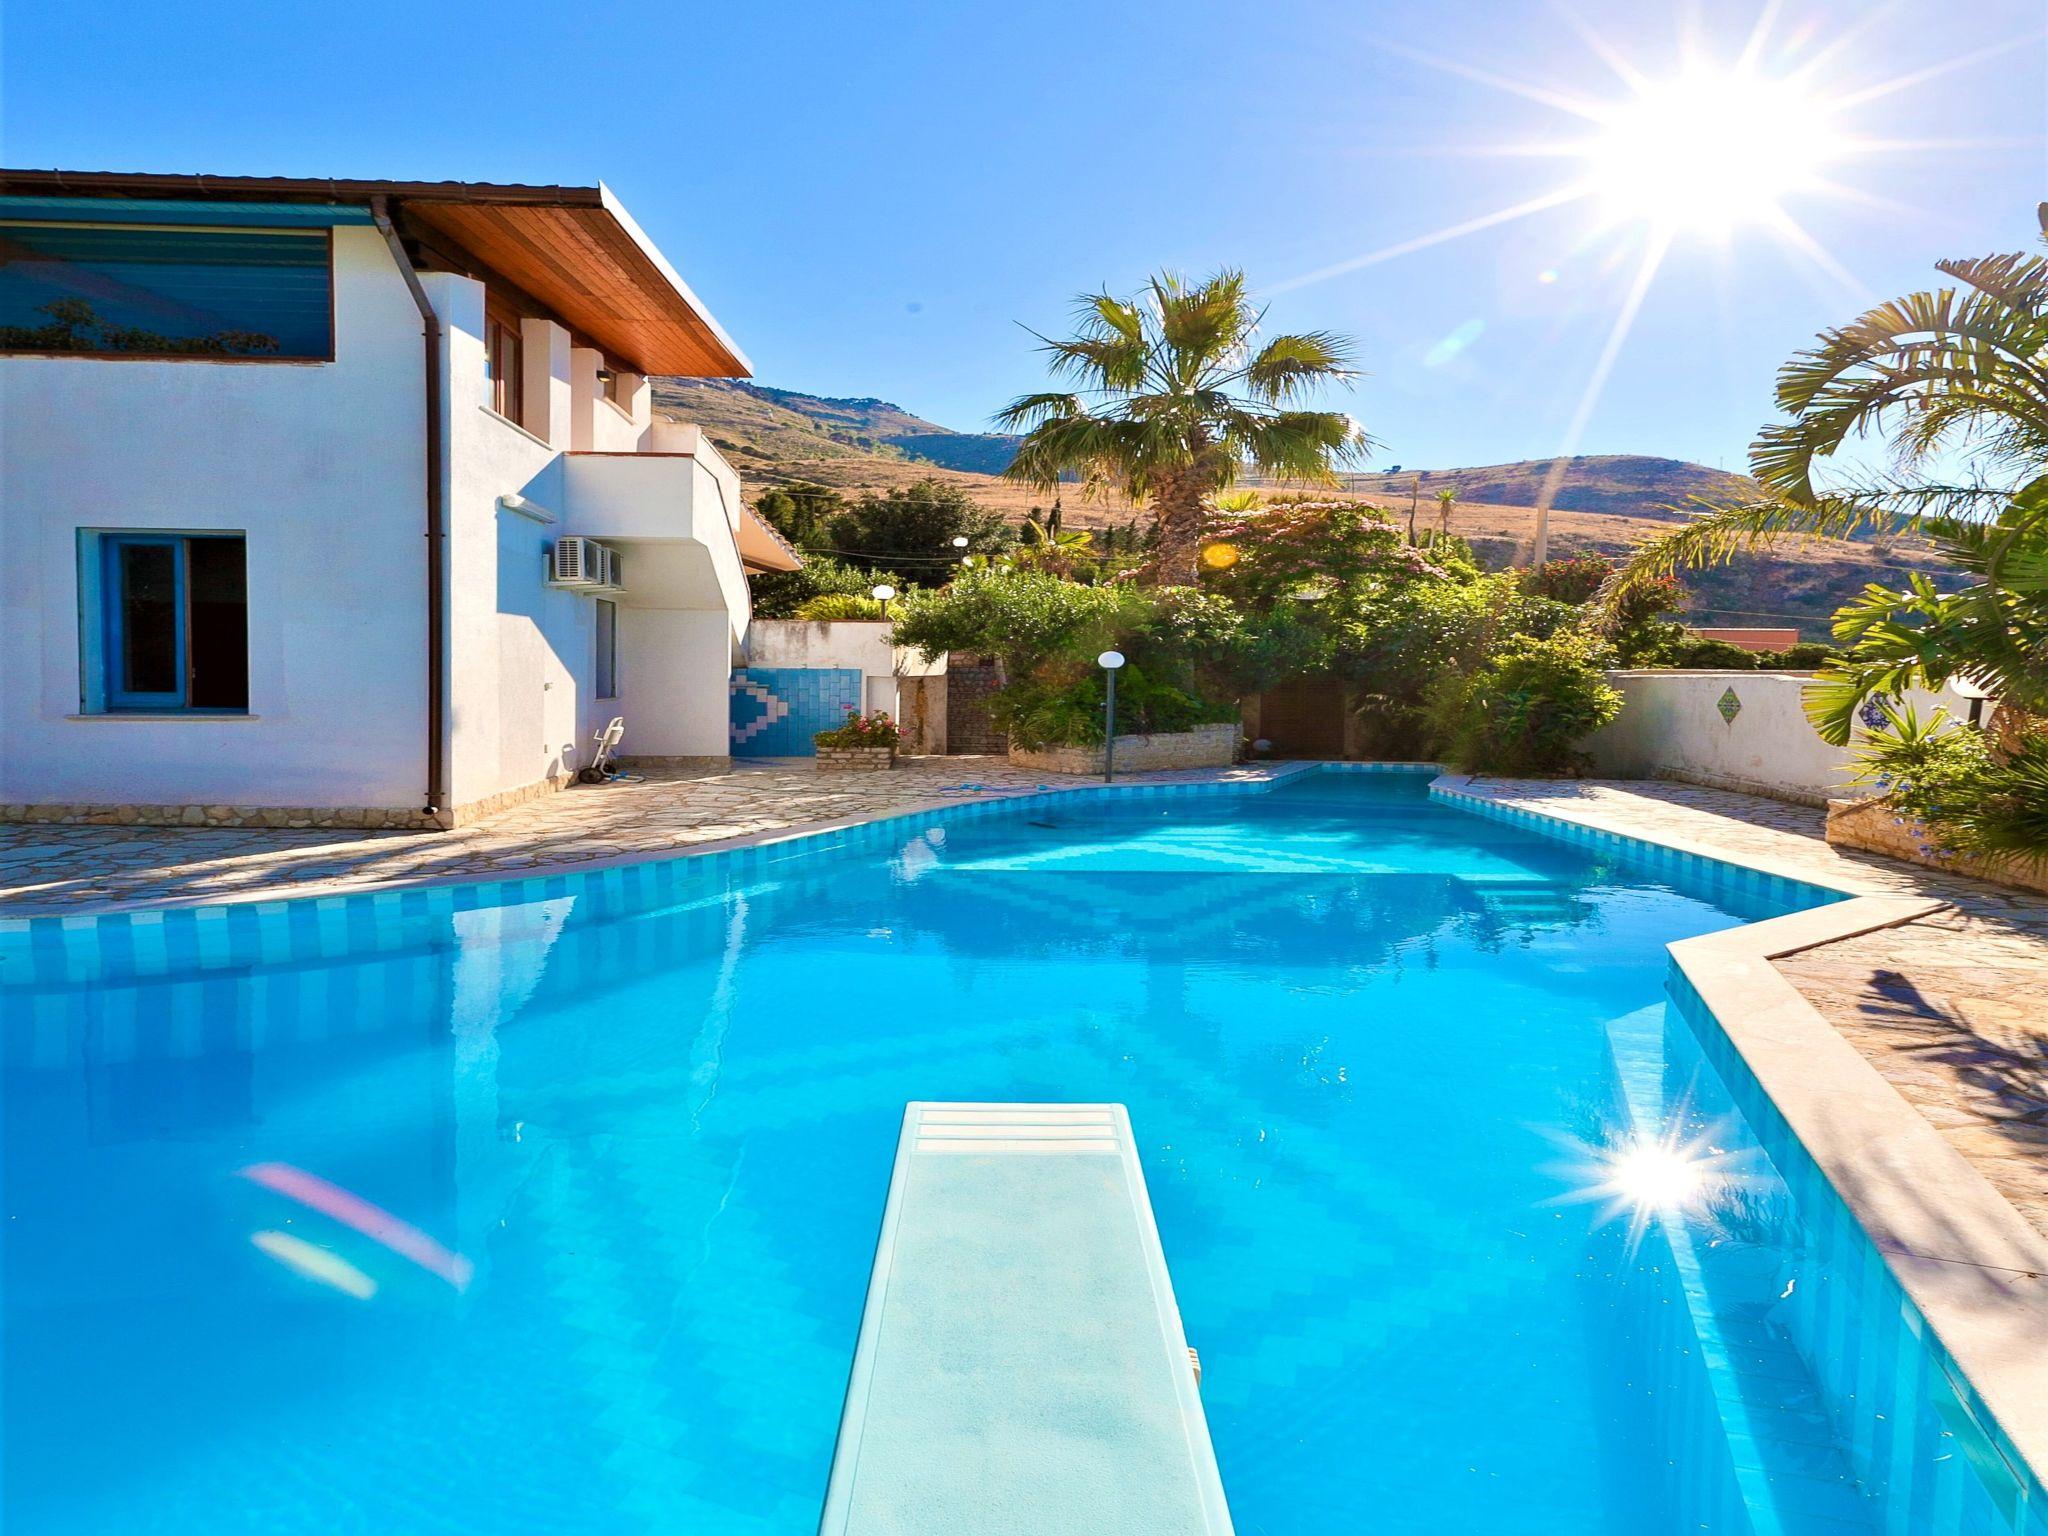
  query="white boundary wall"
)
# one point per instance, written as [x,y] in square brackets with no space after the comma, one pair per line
[1671,727]
[861,644]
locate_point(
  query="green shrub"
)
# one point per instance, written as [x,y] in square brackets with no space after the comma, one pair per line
[1526,709]
[1803,657]
[779,594]
[1024,618]
[1039,713]
[1975,797]
[1397,653]
[1699,654]
[840,608]
[1638,624]
[1572,580]
[1182,647]
[917,522]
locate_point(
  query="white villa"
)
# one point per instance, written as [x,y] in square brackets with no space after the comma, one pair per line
[343,502]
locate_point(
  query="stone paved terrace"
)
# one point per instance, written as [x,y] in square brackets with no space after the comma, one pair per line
[1952,1009]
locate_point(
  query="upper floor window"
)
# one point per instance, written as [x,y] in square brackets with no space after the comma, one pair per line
[502,363]
[166,621]
[129,290]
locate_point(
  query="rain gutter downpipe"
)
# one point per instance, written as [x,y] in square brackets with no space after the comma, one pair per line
[437,528]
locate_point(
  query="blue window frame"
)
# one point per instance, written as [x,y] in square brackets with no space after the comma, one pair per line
[110,290]
[173,628]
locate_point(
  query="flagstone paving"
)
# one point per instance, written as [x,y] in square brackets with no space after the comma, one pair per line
[1952,1009]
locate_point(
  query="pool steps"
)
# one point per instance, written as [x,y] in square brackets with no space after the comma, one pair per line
[1021,1364]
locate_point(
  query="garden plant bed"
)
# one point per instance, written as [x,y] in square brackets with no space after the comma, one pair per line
[1875,826]
[856,759]
[1206,746]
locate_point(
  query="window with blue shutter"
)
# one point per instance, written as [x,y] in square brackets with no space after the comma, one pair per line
[142,291]
[167,622]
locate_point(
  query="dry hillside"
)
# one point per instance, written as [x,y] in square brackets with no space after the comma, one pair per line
[1603,505]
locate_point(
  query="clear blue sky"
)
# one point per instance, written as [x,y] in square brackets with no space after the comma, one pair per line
[871,196]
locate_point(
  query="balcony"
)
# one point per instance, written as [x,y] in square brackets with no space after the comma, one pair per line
[674,514]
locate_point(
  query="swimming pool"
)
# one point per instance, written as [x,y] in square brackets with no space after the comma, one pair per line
[550,1207]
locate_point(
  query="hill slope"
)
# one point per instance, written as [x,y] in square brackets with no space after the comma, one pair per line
[786,421]
[1631,484]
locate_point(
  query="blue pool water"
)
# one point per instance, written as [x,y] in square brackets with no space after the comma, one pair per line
[550,1210]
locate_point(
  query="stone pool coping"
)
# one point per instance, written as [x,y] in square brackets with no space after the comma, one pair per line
[1974,1268]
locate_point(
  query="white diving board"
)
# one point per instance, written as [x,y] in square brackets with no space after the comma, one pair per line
[1021,1369]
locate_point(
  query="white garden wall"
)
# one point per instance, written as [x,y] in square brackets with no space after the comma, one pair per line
[853,645]
[1672,726]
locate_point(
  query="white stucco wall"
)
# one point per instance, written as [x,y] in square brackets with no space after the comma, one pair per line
[1671,726]
[673,667]
[522,655]
[322,466]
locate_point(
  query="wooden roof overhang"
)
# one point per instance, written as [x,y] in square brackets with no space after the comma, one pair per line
[573,250]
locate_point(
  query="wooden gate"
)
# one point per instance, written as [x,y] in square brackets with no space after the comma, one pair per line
[1304,717]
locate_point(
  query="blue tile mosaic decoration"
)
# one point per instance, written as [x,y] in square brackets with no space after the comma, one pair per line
[777,710]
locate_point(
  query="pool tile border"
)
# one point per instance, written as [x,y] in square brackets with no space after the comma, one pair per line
[1973,1270]
[45,949]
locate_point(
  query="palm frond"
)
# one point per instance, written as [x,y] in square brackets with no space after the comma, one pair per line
[1289,366]
[1941,362]
[1719,532]
[1028,411]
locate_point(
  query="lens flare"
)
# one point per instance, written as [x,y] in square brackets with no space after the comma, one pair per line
[315,1264]
[1219,556]
[1637,1177]
[373,1221]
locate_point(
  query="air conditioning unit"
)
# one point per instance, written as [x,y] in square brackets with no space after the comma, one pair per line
[575,561]
[613,569]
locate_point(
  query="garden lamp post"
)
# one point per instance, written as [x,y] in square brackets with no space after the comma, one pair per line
[1976,692]
[1109,661]
[882,594]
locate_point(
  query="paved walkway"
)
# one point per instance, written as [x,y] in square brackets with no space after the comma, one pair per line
[46,868]
[1952,1009]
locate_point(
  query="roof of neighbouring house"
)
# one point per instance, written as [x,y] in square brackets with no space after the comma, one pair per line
[575,250]
[1750,639]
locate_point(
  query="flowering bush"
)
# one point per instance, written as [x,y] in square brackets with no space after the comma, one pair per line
[1573,579]
[1310,549]
[858,730]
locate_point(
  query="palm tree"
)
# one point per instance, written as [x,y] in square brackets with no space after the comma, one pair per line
[1174,396]
[1445,500]
[1957,376]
